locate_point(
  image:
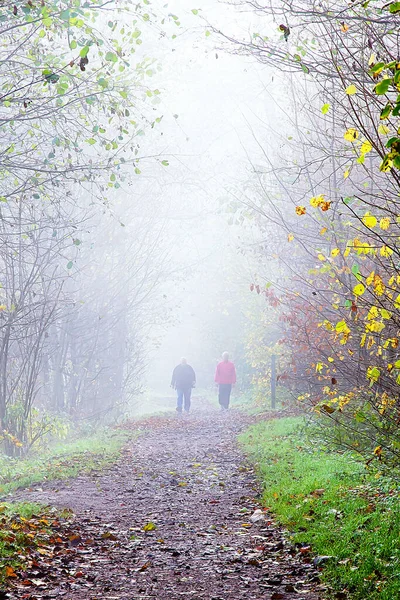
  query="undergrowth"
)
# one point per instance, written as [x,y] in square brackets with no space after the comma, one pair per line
[329,501]
[64,460]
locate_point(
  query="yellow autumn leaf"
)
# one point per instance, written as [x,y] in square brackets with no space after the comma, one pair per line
[335,252]
[347,252]
[372,313]
[351,90]
[366,147]
[290,237]
[385,313]
[384,223]
[383,129]
[351,134]
[317,200]
[372,59]
[321,257]
[385,251]
[386,165]
[323,230]
[369,220]
[379,286]
[370,278]
[346,174]
[358,289]
[300,210]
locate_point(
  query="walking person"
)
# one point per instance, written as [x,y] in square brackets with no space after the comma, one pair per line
[183,380]
[225,377]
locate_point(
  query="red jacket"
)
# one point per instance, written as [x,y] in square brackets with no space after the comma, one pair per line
[226,372]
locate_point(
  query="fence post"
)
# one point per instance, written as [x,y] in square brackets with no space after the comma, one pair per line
[273,381]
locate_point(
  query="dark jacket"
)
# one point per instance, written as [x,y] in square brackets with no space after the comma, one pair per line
[183,377]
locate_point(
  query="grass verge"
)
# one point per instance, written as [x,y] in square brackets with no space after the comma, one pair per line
[328,501]
[63,461]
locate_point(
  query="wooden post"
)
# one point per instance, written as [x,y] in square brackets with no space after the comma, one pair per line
[273,381]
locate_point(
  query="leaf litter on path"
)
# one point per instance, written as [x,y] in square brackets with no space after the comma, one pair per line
[137,533]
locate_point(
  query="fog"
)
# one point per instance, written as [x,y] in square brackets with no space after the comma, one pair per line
[178,181]
[219,99]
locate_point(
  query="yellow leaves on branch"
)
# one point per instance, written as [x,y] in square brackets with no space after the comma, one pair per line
[343,330]
[366,147]
[384,223]
[300,210]
[358,289]
[377,282]
[369,220]
[320,202]
[351,134]
[385,251]
[335,252]
[383,129]
[373,374]
[351,90]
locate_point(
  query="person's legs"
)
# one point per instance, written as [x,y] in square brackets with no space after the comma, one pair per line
[187,394]
[228,395]
[179,399]
[223,395]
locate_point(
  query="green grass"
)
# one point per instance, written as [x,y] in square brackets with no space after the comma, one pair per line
[328,500]
[63,461]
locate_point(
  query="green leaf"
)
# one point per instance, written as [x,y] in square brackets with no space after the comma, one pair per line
[396,110]
[52,77]
[195,11]
[77,242]
[325,108]
[378,68]
[70,265]
[91,141]
[73,45]
[391,141]
[84,52]
[382,87]
[385,112]
[394,7]
[111,57]
[165,163]
[355,269]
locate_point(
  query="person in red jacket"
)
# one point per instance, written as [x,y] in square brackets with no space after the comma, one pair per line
[225,377]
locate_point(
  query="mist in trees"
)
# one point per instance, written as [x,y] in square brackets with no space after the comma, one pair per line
[180,181]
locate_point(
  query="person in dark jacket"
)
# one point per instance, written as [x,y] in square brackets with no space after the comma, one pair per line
[183,380]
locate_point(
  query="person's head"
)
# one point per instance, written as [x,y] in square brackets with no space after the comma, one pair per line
[183,361]
[225,356]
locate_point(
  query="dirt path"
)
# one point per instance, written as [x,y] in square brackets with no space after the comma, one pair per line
[186,478]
